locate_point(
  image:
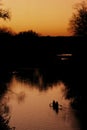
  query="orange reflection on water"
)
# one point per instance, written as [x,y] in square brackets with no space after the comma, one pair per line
[64,56]
[29,107]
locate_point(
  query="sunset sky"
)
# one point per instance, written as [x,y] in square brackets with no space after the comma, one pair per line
[46,17]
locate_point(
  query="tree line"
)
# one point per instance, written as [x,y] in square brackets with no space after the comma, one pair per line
[77,23]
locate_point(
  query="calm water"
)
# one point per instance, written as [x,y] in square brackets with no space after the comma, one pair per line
[27,106]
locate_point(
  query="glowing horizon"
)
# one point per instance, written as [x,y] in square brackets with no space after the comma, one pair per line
[48,17]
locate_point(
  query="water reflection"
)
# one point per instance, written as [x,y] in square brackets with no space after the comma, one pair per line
[65,56]
[27,104]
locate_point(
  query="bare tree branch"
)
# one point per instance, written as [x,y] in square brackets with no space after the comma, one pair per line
[5,14]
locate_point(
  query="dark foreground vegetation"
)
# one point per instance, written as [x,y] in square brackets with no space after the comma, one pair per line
[28,50]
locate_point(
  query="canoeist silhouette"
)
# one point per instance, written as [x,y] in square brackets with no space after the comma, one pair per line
[55,105]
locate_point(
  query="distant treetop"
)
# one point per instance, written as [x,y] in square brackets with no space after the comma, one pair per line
[29,33]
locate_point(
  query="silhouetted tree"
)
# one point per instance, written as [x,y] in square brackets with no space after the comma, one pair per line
[78,22]
[4,14]
[28,33]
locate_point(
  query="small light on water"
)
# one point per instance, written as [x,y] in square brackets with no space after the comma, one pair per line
[64,56]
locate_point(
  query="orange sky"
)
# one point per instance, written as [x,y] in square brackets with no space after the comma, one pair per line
[47,17]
